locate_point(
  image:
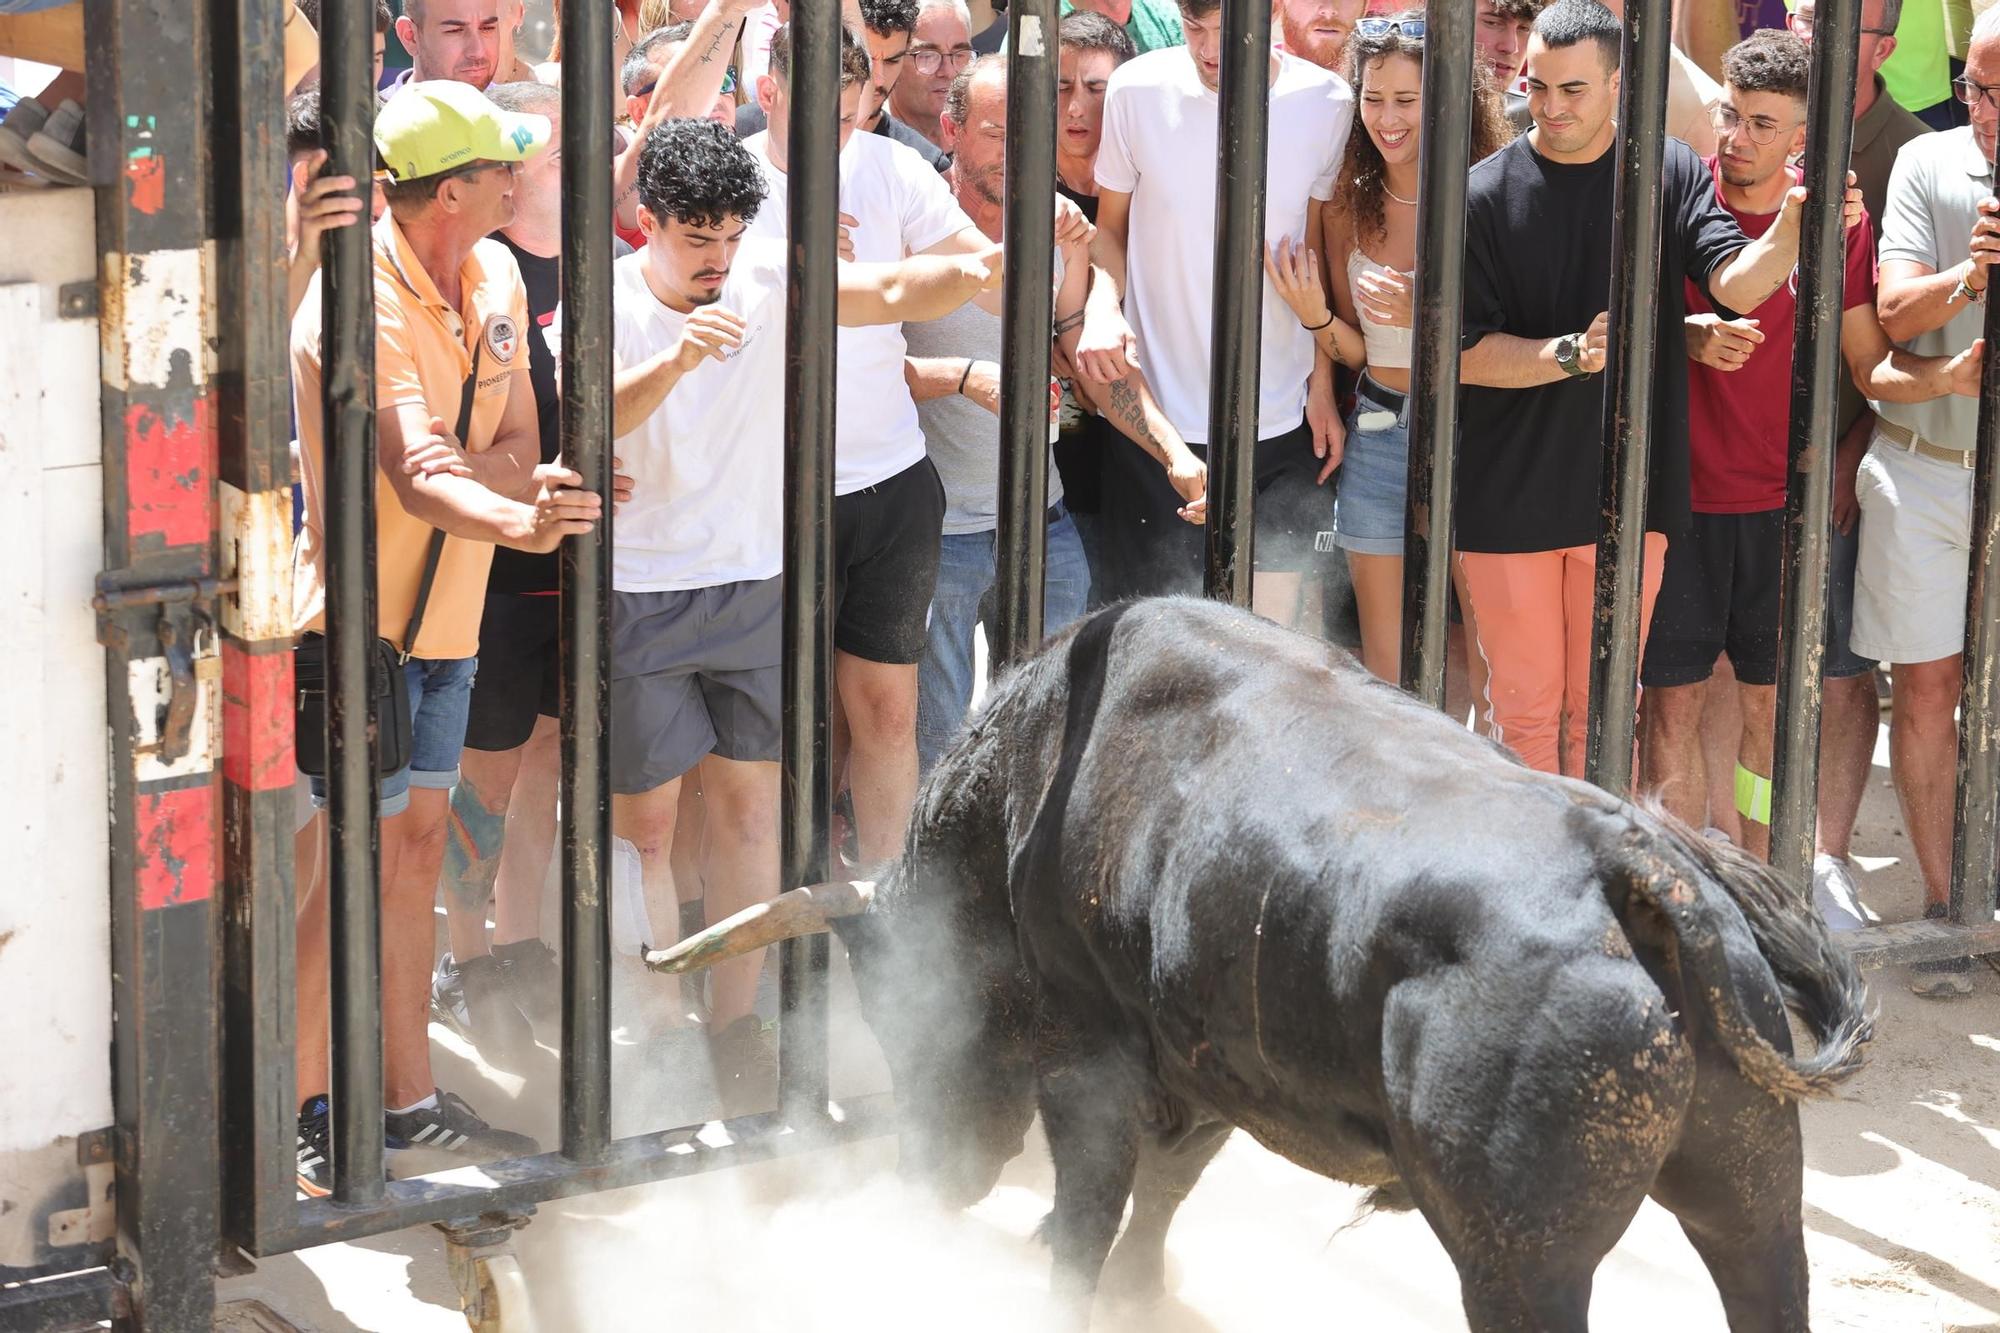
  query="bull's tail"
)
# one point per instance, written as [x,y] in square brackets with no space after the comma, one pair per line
[1817,979]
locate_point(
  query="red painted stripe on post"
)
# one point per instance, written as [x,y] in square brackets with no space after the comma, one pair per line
[173,845]
[170,473]
[257,715]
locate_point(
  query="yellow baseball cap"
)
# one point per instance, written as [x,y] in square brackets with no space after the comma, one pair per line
[439,124]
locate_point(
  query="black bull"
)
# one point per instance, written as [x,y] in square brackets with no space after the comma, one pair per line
[1189,871]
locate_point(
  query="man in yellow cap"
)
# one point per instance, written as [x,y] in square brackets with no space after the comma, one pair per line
[458,453]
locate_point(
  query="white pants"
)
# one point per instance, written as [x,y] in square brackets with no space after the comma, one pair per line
[1916,540]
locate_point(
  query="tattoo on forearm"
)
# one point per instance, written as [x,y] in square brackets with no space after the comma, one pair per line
[708,56]
[474,836]
[1130,416]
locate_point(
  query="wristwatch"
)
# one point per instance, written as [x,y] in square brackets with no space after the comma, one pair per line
[1569,355]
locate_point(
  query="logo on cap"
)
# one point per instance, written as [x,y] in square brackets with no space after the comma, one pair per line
[521,138]
[502,338]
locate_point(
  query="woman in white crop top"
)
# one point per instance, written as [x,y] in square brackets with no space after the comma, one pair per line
[1368,256]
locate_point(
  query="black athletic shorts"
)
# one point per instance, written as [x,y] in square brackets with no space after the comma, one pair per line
[520,665]
[1150,550]
[886,539]
[1720,593]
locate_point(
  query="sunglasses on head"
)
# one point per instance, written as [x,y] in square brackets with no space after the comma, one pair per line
[1380,27]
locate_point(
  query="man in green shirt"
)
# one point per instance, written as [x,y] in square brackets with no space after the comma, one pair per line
[1151,24]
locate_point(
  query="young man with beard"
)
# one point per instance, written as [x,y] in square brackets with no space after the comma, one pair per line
[1538,258]
[1316,31]
[1501,31]
[887,27]
[1152,298]
[954,369]
[1723,585]
[698,410]
[940,47]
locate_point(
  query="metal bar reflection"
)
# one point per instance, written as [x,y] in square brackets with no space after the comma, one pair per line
[1816,372]
[806,781]
[1236,336]
[586,588]
[1427,527]
[347,115]
[1026,298]
[1628,395]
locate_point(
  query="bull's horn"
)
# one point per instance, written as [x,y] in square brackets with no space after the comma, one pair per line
[805,911]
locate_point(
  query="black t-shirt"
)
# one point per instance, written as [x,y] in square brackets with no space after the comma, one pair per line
[1085,202]
[1538,254]
[522,571]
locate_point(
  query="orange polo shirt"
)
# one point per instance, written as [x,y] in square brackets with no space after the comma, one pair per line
[424,349]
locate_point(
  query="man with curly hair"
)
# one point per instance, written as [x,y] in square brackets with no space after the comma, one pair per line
[698,411]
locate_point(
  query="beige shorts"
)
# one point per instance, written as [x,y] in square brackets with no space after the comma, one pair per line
[1916,535]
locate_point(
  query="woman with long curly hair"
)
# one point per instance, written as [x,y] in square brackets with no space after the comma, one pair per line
[1370,244]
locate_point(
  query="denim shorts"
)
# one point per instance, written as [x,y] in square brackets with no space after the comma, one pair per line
[440,701]
[1374,473]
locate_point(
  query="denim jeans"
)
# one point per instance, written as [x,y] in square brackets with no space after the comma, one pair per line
[440,701]
[965,578]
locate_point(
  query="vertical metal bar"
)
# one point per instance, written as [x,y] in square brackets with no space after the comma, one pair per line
[1628,394]
[1026,298]
[1816,372]
[806,775]
[253,401]
[347,341]
[1236,335]
[1974,896]
[148,162]
[1427,526]
[586,588]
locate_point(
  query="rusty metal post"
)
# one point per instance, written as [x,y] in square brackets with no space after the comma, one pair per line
[1975,890]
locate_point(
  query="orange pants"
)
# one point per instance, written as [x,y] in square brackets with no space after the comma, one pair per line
[1533,613]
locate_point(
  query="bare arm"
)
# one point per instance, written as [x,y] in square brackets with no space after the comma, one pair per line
[461,507]
[507,466]
[1747,278]
[1504,361]
[934,377]
[922,287]
[689,82]
[1107,348]
[1888,374]
[1914,300]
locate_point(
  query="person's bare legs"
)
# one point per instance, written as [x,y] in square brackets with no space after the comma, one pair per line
[1276,597]
[1756,751]
[879,700]
[477,829]
[412,859]
[1672,763]
[1378,593]
[1923,759]
[690,852]
[1466,650]
[1850,717]
[742,810]
[530,843]
[646,821]
[1721,737]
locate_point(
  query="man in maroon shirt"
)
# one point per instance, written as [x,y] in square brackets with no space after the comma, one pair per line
[1722,586]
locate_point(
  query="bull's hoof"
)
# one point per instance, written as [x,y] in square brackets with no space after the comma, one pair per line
[1134,1275]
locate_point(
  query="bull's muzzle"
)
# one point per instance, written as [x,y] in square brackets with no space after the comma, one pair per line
[802,911]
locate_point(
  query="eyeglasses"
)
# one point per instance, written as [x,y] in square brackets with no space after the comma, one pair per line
[1973,94]
[728,83]
[1763,131]
[1381,27]
[1802,27]
[927,60]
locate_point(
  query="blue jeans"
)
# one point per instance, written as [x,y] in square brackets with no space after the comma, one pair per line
[965,577]
[440,702]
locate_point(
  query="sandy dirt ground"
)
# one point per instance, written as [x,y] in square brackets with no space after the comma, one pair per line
[1902,1210]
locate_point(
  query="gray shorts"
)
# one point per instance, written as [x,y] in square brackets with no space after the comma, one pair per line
[694,672]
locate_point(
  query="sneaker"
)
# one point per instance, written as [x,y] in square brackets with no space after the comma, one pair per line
[1834,894]
[58,147]
[532,977]
[1945,979]
[471,999]
[315,1151]
[745,1057]
[448,1125]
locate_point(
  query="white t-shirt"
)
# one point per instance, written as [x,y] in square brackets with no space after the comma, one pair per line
[903,207]
[1160,126]
[707,468]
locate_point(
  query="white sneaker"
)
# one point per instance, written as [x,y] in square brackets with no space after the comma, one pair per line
[1834,894]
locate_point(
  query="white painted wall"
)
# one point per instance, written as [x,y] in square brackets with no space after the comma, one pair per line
[55,963]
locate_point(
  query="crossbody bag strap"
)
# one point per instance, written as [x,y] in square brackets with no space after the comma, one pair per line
[436,550]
